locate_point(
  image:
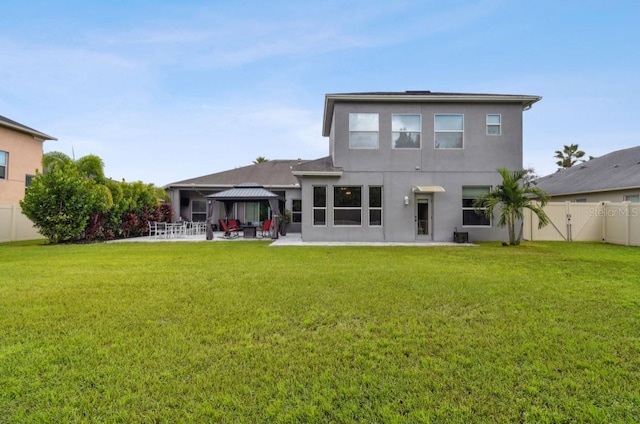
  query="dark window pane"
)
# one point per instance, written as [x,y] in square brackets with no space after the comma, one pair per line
[375,197]
[296,205]
[347,197]
[319,217]
[347,217]
[375,217]
[470,217]
[320,197]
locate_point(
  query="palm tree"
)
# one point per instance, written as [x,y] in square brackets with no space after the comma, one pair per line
[90,166]
[260,159]
[512,196]
[569,156]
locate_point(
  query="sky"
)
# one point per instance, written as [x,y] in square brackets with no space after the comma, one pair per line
[165,91]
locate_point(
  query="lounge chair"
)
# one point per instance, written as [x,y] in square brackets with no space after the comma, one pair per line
[265,229]
[228,231]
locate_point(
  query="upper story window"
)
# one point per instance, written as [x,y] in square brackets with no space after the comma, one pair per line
[4,158]
[494,124]
[363,130]
[319,205]
[405,131]
[27,180]
[449,131]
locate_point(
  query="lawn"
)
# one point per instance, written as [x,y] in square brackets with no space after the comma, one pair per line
[244,332]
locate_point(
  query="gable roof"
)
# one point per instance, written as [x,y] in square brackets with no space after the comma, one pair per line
[11,124]
[419,97]
[614,171]
[272,173]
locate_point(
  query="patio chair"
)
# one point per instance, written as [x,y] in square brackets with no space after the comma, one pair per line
[265,229]
[228,231]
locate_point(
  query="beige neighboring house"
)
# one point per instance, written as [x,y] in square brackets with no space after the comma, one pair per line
[21,150]
[614,177]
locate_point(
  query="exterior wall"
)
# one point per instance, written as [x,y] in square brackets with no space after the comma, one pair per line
[480,152]
[25,156]
[399,219]
[601,196]
[15,226]
[398,170]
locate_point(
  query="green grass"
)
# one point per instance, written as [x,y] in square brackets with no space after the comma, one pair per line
[243,332]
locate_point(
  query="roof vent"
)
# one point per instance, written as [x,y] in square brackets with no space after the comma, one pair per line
[615,166]
[583,166]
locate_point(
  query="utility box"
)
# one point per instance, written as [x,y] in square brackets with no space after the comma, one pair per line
[460,237]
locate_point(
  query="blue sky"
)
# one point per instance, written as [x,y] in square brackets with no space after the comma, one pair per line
[168,90]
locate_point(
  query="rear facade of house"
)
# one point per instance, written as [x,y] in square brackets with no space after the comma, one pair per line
[406,166]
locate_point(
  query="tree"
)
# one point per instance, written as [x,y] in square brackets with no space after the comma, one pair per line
[260,159]
[61,202]
[509,199]
[569,156]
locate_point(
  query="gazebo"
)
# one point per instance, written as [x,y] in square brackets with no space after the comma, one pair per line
[245,192]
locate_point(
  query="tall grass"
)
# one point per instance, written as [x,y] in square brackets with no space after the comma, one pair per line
[244,332]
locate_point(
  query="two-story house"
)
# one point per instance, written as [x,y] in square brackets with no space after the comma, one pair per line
[406,166]
[20,157]
[402,167]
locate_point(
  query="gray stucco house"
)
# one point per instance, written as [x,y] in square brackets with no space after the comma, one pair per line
[614,177]
[402,166]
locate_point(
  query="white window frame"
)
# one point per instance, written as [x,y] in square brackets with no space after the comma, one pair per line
[436,131]
[4,163]
[318,208]
[395,131]
[633,198]
[346,208]
[471,208]
[493,124]
[355,129]
[376,208]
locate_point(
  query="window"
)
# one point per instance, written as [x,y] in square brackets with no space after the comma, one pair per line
[635,198]
[252,213]
[320,205]
[347,205]
[27,180]
[296,210]
[375,206]
[494,123]
[469,215]
[405,131]
[4,158]
[448,131]
[581,200]
[198,210]
[363,130]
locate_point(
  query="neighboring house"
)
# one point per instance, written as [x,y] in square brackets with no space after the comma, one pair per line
[406,166]
[402,166]
[20,157]
[614,177]
[188,196]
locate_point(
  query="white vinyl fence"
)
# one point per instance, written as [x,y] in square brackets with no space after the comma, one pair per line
[616,223]
[15,226]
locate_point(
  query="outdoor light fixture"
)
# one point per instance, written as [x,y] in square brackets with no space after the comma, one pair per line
[406,200]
